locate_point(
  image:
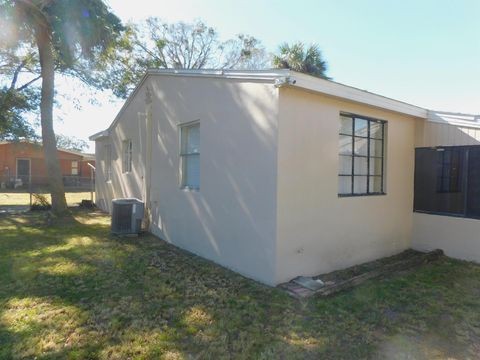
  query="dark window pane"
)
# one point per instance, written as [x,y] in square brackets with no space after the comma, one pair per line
[431,177]
[449,165]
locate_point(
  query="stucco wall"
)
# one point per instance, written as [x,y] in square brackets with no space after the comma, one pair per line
[318,231]
[130,126]
[231,219]
[457,237]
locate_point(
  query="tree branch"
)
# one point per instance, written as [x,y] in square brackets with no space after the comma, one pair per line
[29,83]
[15,74]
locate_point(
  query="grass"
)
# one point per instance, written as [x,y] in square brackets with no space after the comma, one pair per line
[71,291]
[23,198]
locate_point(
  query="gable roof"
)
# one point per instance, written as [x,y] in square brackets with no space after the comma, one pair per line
[283,78]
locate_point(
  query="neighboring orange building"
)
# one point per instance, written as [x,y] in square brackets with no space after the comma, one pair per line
[25,161]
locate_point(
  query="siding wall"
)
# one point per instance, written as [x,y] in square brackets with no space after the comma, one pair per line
[431,133]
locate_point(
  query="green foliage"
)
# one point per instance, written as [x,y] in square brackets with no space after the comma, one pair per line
[298,58]
[14,105]
[156,44]
[82,31]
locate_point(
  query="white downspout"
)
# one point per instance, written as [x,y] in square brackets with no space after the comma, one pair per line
[148,157]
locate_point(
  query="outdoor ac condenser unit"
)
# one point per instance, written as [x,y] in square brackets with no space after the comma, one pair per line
[127,215]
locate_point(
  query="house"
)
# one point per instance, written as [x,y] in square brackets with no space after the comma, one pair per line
[23,162]
[276,174]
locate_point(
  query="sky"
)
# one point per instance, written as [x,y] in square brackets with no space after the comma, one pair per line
[424,52]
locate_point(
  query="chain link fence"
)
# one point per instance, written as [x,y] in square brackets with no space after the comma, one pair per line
[21,192]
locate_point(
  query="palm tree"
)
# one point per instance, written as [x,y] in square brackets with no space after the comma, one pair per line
[69,34]
[297,58]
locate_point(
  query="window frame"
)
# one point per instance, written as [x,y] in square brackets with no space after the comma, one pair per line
[127,153]
[184,156]
[465,186]
[368,156]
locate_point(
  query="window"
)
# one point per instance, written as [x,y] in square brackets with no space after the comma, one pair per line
[361,156]
[449,170]
[447,181]
[74,167]
[107,162]
[127,156]
[190,156]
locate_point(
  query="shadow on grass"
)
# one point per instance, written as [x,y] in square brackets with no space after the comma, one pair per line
[73,291]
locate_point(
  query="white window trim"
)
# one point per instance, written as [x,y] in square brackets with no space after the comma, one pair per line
[181,157]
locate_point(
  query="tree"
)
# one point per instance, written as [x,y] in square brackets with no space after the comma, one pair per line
[19,70]
[14,105]
[296,57]
[71,143]
[157,44]
[69,35]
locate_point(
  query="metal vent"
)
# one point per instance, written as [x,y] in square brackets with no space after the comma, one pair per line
[127,215]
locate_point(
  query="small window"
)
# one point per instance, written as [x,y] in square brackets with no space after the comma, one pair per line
[74,167]
[127,156]
[107,162]
[190,156]
[449,170]
[361,156]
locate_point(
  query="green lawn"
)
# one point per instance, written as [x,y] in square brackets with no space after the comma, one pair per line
[23,198]
[72,291]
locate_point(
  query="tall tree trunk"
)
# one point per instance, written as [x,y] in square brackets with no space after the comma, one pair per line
[44,43]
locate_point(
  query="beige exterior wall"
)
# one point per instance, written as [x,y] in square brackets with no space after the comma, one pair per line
[131,126]
[232,218]
[457,237]
[317,231]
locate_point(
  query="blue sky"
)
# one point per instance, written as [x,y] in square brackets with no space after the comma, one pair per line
[424,52]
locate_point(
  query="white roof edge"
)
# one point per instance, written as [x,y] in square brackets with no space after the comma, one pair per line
[261,75]
[351,93]
[277,76]
[98,135]
[455,119]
